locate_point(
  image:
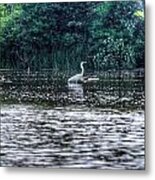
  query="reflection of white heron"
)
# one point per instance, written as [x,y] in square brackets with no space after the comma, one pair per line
[78,77]
[76,92]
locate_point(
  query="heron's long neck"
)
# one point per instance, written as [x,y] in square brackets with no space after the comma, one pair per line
[82,69]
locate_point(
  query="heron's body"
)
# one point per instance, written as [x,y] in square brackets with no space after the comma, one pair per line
[78,77]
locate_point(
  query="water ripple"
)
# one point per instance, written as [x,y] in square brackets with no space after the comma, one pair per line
[71,137]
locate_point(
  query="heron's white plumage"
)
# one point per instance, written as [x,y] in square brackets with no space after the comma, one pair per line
[78,77]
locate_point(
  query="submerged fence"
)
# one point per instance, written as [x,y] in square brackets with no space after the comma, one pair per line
[49,73]
[107,89]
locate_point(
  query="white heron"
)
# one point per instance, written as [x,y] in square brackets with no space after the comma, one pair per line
[78,77]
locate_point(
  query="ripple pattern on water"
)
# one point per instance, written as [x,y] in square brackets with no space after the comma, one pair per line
[71,137]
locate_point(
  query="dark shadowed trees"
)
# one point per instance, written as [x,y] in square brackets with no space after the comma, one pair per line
[110,35]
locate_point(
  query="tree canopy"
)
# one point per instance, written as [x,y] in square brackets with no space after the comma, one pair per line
[109,35]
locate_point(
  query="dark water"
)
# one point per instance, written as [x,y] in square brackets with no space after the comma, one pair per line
[87,128]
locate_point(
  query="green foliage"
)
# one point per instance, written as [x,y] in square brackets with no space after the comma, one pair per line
[110,35]
[120,38]
[8,14]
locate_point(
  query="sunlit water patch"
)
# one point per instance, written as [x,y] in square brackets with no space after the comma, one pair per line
[71,136]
